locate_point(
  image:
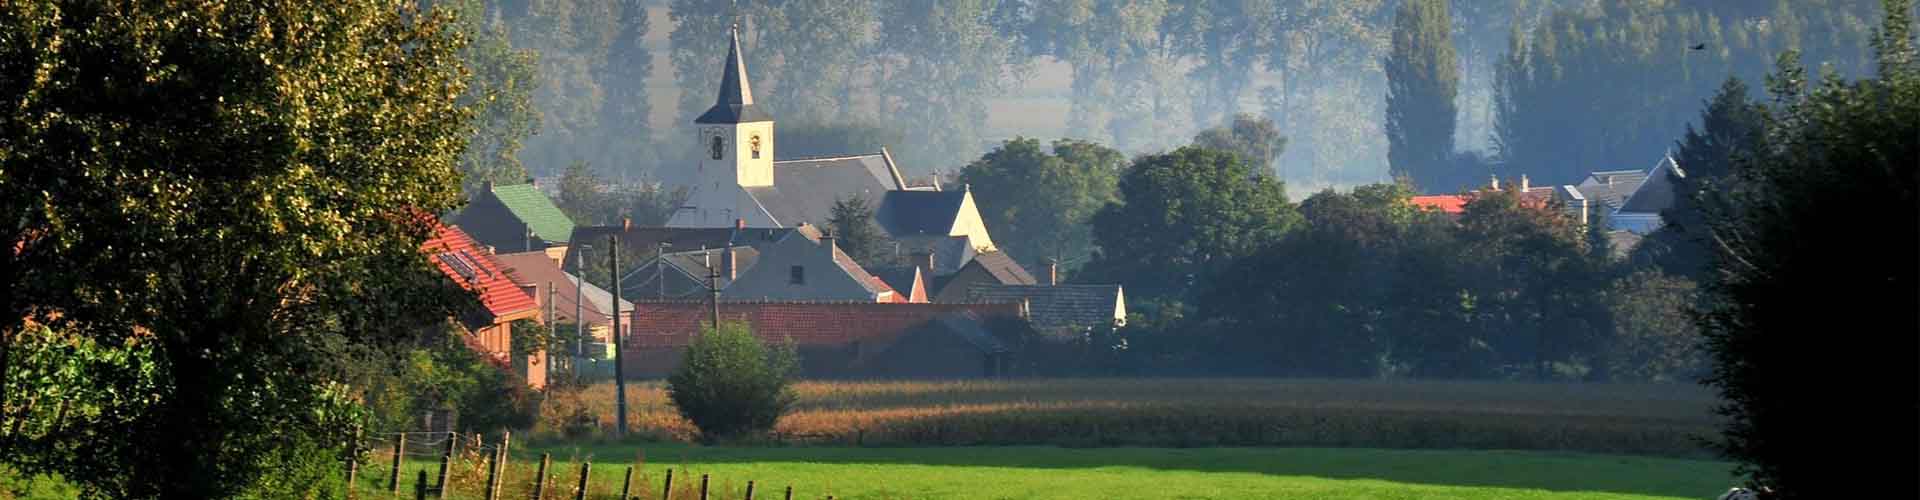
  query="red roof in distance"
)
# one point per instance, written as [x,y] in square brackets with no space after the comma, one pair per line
[464,261]
[1446,203]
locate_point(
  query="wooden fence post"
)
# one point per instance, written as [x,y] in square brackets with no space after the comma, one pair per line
[749,489]
[420,486]
[703,487]
[667,493]
[446,464]
[506,440]
[626,485]
[789,492]
[353,462]
[586,469]
[493,474]
[393,480]
[540,482]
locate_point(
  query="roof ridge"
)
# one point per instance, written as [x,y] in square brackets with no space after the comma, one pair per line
[826,157]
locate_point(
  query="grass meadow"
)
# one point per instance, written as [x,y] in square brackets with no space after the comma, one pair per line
[1090,473]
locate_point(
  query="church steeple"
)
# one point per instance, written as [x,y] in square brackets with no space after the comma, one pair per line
[735,103]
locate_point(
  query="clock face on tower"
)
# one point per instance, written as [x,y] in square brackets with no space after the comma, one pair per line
[715,139]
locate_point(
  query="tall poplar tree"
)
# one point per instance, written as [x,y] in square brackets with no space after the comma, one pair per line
[1423,78]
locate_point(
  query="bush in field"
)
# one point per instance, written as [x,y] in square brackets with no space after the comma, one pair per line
[730,383]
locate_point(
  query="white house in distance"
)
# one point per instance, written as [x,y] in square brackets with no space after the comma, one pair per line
[740,181]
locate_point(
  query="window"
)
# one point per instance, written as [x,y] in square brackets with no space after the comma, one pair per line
[797,275]
[754,143]
[719,148]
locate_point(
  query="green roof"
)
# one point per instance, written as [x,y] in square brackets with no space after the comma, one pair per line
[536,210]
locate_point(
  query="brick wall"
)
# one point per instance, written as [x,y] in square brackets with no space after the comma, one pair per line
[671,324]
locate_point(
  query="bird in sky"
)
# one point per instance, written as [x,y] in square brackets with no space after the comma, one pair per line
[1699,46]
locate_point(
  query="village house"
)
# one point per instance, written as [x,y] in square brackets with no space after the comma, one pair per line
[501,301]
[516,218]
[570,299]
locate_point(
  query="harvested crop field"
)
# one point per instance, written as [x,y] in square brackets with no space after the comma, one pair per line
[1664,420]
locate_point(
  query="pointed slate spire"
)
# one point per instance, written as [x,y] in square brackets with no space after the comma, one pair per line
[734,88]
[735,103]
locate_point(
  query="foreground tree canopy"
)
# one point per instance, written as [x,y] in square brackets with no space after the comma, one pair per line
[208,208]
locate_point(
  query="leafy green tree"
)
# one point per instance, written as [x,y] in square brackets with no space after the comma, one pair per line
[942,62]
[1039,203]
[1631,70]
[1730,128]
[231,199]
[731,383]
[799,140]
[1183,213]
[1254,138]
[816,48]
[574,39]
[1833,148]
[590,199]
[1312,304]
[500,91]
[626,139]
[1423,78]
[585,197]
[855,232]
[1525,268]
[1654,338]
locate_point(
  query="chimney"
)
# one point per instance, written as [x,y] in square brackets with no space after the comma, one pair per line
[1494,183]
[1525,184]
[626,224]
[923,259]
[729,264]
[826,240]
[1053,272]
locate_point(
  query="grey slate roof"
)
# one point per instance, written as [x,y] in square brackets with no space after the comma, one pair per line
[1061,306]
[898,277]
[949,252]
[904,213]
[805,189]
[735,103]
[1610,189]
[969,327]
[683,239]
[1004,269]
[1656,194]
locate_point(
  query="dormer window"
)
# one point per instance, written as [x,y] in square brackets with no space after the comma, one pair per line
[797,275]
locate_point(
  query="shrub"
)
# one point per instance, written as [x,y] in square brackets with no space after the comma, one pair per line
[731,383]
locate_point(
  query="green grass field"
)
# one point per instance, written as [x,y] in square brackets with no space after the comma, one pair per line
[1110,473]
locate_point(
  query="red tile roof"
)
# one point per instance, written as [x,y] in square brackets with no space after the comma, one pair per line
[463,260]
[671,324]
[1447,203]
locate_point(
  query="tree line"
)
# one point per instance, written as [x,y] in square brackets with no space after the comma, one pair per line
[1462,89]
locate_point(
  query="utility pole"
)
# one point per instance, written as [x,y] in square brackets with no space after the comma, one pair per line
[550,331]
[713,291]
[579,304]
[619,372]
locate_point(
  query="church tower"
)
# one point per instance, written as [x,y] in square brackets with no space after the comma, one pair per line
[736,137]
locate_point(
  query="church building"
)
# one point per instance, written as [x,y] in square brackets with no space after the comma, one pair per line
[740,181]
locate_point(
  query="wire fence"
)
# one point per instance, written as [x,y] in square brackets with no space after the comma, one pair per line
[445,465]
